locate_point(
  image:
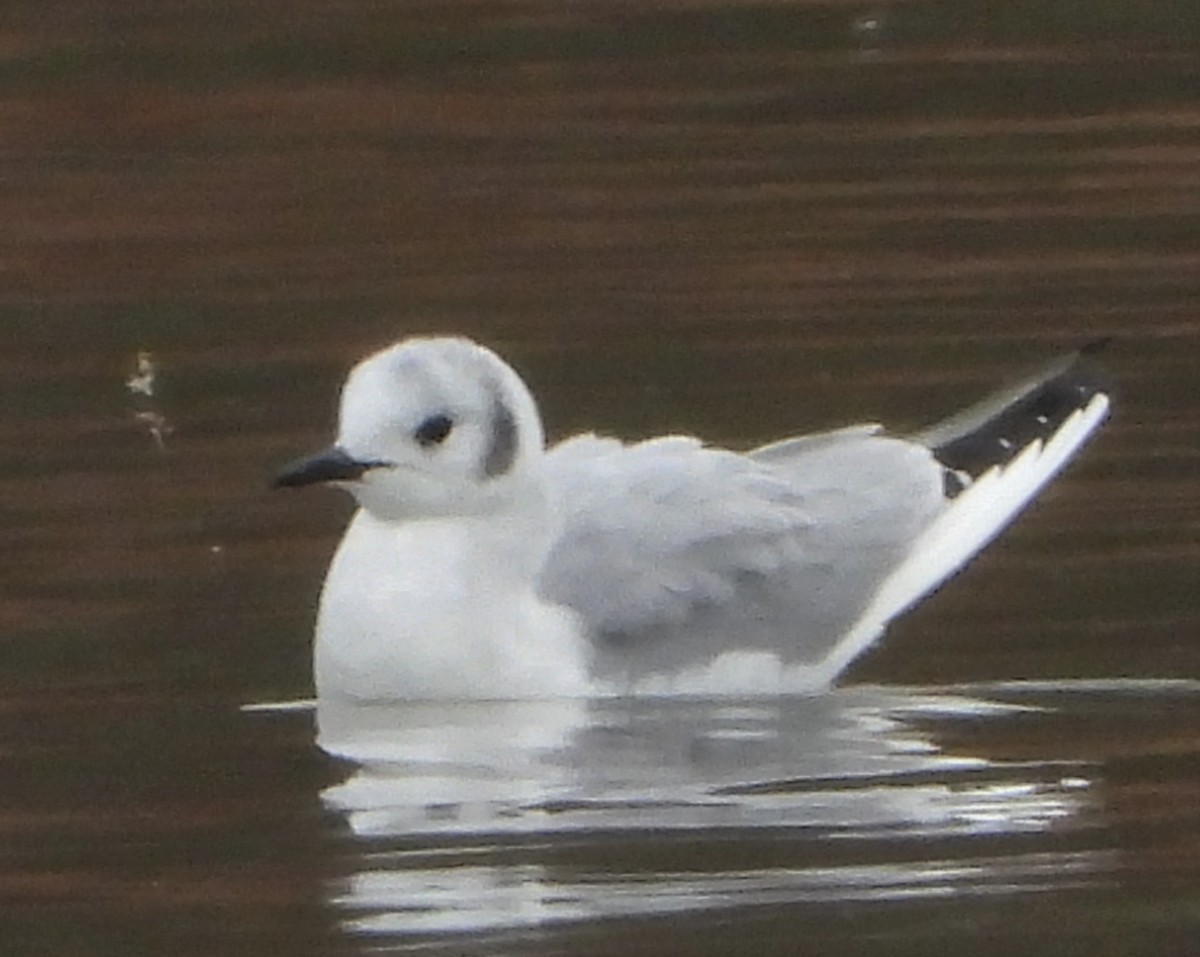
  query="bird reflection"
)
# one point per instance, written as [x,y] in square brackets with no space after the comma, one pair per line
[484,816]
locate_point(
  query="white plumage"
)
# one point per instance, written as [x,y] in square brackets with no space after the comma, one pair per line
[482,566]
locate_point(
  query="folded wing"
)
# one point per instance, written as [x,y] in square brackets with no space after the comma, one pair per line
[673,552]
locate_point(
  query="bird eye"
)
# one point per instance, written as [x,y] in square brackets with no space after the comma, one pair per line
[434,430]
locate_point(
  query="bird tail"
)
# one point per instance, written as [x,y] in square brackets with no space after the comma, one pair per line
[997,455]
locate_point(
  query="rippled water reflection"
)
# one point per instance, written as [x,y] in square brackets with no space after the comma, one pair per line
[473,822]
[1020,815]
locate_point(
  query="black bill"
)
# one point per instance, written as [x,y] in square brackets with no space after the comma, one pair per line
[334,464]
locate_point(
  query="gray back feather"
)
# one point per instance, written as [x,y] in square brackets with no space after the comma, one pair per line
[672,552]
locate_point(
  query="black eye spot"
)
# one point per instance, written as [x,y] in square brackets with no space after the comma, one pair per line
[434,430]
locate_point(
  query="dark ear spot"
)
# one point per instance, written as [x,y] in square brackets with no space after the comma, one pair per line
[502,445]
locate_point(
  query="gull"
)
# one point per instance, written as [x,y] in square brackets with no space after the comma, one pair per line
[481,564]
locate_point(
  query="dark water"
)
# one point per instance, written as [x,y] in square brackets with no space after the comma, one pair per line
[736,219]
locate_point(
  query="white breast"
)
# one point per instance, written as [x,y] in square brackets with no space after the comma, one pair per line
[420,610]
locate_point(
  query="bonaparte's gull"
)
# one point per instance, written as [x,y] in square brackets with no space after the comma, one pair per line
[481,564]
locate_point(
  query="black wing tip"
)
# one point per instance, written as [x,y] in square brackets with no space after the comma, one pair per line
[1033,414]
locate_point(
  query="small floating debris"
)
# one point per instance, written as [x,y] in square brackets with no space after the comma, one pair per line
[867,29]
[142,380]
[158,427]
[141,384]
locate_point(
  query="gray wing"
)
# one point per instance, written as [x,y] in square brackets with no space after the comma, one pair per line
[673,552]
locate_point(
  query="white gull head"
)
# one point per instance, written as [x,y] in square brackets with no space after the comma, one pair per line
[441,427]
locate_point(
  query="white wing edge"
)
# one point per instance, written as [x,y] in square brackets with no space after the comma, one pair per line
[972,520]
